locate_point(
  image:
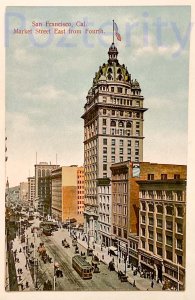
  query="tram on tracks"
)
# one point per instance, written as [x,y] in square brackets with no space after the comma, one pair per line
[83,268]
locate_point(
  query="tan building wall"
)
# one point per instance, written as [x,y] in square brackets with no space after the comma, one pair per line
[67,186]
[80,194]
[69,203]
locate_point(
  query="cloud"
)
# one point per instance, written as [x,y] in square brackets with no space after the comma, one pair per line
[46,93]
[22,55]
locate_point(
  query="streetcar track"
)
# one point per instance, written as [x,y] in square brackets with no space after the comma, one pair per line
[67,270]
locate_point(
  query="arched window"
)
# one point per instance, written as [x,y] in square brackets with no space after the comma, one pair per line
[128,125]
[120,77]
[109,77]
[39,173]
[113,123]
[120,124]
[43,173]
[119,71]
[110,70]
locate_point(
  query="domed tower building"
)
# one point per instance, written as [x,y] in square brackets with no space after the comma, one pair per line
[113,132]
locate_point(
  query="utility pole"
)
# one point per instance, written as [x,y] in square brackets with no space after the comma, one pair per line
[54,274]
[35,275]
[118,254]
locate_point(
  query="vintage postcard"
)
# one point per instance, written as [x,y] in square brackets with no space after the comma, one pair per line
[96,143]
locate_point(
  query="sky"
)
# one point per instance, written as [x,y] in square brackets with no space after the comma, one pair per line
[48,77]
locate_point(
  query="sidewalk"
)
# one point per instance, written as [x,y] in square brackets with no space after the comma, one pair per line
[25,276]
[143,284]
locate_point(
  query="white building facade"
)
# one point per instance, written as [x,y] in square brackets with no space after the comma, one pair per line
[31,191]
[113,132]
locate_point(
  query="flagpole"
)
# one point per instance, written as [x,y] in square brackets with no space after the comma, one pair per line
[113,31]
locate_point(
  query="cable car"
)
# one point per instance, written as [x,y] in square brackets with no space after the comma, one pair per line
[83,268]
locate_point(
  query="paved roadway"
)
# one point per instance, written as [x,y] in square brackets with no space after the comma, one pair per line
[71,281]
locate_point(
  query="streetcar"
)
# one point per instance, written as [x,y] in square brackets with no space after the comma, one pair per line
[47,231]
[82,267]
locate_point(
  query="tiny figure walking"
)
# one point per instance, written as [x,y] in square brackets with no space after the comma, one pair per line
[152,284]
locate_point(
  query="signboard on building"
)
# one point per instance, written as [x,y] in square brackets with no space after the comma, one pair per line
[136,170]
[103,181]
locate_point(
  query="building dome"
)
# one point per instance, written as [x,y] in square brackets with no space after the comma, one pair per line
[135,85]
[112,70]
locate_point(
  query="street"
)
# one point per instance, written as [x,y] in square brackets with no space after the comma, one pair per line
[71,281]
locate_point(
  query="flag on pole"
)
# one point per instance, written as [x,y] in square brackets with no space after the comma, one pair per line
[118,36]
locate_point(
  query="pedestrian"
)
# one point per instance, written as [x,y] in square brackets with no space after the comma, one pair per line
[18,271]
[102,256]
[26,266]
[20,250]
[22,287]
[27,284]
[134,283]
[152,284]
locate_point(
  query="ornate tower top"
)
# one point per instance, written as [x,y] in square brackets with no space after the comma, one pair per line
[112,53]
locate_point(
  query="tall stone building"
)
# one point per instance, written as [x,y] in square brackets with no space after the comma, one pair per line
[113,132]
[43,169]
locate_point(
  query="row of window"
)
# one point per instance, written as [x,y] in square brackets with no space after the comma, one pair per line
[121,150]
[105,228]
[122,132]
[121,113]
[120,209]
[169,225]
[120,220]
[159,238]
[169,210]
[127,102]
[120,232]
[113,89]
[169,256]
[163,176]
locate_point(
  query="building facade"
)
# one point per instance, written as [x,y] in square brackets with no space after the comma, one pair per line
[45,194]
[67,193]
[80,191]
[43,169]
[127,224]
[23,196]
[31,191]
[162,241]
[113,132]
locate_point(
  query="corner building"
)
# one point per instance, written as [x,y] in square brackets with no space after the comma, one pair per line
[113,132]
